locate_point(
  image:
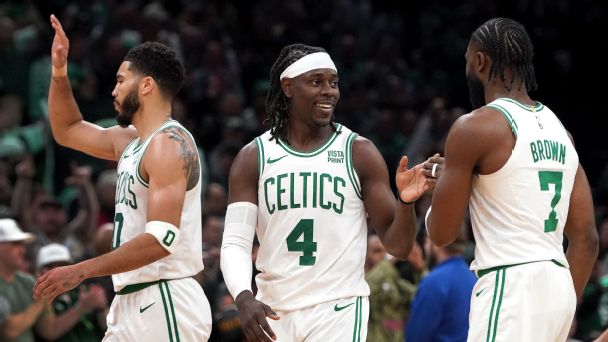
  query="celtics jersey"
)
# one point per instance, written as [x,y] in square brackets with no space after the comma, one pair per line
[131,218]
[311,223]
[518,213]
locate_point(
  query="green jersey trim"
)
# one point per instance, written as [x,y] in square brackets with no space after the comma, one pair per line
[352,174]
[507,116]
[167,318]
[122,155]
[536,108]
[260,145]
[315,152]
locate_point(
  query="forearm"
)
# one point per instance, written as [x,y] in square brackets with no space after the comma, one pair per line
[54,326]
[399,236]
[141,251]
[63,110]
[85,221]
[21,200]
[581,256]
[16,324]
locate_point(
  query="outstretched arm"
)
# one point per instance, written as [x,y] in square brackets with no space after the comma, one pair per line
[68,127]
[394,221]
[170,164]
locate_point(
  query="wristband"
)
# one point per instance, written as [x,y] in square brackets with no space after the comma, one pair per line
[404,202]
[166,234]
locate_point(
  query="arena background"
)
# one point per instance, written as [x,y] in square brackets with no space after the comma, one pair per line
[401,67]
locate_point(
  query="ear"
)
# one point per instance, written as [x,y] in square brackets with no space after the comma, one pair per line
[483,62]
[147,85]
[287,86]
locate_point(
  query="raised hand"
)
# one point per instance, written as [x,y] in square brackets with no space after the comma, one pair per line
[59,50]
[81,175]
[253,318]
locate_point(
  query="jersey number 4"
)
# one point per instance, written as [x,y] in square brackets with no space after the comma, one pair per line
[546,178]
[307,245]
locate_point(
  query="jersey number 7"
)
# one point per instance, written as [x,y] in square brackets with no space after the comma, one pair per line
[546,178]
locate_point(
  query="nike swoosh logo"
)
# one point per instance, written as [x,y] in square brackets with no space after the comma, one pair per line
[141,310]
[340,308]
[479,292]
[270,161]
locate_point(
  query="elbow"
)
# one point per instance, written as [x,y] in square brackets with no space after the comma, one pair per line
[592,241]
[400,252]
[587,241]
[439,239]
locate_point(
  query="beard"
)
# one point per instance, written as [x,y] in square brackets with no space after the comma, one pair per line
[129,106]
[476,92]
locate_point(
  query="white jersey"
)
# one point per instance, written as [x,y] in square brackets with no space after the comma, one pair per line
[131,217]
[311,223]
[518,213]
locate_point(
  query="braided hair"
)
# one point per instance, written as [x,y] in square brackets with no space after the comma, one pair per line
[276,101]
[509,46]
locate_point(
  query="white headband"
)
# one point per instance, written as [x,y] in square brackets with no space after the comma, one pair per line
[317,60]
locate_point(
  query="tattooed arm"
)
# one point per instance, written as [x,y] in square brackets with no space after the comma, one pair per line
[171,166]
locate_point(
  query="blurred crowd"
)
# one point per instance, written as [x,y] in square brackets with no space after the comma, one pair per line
[402,85]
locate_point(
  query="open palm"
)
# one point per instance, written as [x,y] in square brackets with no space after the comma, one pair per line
[61,44]
[411,183]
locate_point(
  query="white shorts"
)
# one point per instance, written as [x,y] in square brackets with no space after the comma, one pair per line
[533,302]
[173,310]
[338,320]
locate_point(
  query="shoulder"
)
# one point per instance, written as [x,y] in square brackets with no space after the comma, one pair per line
[364,150]
[433,285]
[172,142]
[480,129]
[246,161]
[249,153]
[25,279]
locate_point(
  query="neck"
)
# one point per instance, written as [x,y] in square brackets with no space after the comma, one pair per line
[306,137]
[498,89]
[150,116]
[7,274]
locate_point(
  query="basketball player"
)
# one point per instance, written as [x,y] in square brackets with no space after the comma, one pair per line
[514,164]
[157,233]
[306,187]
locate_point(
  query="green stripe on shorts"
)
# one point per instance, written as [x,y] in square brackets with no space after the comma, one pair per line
[493,319]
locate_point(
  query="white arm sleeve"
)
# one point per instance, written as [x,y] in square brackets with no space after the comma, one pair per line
[237,243]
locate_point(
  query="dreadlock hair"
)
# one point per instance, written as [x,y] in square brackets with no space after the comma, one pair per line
[509,46]
[276,101]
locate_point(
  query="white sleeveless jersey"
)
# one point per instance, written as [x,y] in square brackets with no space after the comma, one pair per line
[130,220]
[518,213]
[311,223]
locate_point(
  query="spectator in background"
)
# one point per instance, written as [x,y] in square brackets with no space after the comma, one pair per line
[82,310]
[390,295]
[43,214]
[215,200]
[106,193]
[440,311]
[19,313]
